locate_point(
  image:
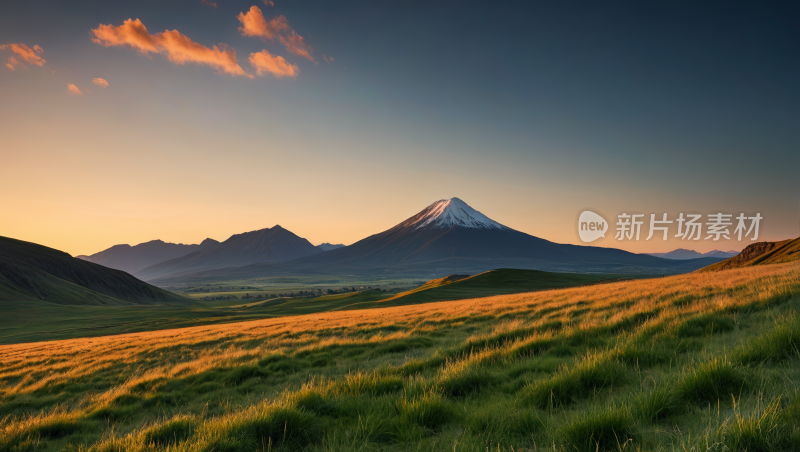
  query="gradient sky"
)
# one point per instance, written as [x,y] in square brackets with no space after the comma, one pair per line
[528,112]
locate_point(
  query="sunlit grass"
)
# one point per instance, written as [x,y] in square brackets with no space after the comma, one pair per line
[692,362]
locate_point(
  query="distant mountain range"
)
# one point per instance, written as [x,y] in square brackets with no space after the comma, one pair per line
[31,272]
[131,259]
[682,253]
[447,237]
[328,246]
[263,246]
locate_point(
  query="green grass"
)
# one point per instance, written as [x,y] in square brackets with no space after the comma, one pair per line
[510,374]
[34,320]
[496,282]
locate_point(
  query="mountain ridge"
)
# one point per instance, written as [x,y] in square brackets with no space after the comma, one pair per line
[683,253]
[132,259]
[447,238]
[268,245]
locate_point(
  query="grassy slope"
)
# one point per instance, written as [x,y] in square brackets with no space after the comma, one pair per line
[704,361]
[42,321]
[31,272]
[776,253]
[494,282]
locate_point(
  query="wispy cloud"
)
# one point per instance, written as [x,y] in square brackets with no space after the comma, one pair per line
[74,89]
[328,59]
[209,3]
[24,53]
[297,45]
[175,46]
[266,63]
[269,3]
[255,25]
[100,82]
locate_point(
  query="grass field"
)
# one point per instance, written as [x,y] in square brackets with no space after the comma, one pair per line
[697,362]
[29,321]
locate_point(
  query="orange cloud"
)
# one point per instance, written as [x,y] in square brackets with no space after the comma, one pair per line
[25,53]
[297,45]
[269,3]
[175,46]
[328,59]
[209,3]
[100,82]
[74,89]
[264,63]
[254,25]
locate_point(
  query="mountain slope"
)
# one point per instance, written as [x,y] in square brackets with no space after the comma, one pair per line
[451,237]
[266,245]
[131,259]
[761,253]
[34,272]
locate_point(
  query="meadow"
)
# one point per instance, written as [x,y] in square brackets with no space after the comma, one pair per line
[35,320]
[695,362]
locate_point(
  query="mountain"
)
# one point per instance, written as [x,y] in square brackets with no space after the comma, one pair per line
[682,253]
[450,237]
[761,253]
[328,246]
[266,245]
[31,272]
[131,259]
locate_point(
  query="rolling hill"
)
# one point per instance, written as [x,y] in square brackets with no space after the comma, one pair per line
[494,282]
[266,245]
[131,259]
[761,253]
[31,272]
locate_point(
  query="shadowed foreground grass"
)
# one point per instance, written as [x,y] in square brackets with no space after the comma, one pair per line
[699,362]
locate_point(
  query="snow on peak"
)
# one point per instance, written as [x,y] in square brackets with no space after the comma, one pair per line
[450,213]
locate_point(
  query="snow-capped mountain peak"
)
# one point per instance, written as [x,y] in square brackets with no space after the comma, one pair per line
[450,213]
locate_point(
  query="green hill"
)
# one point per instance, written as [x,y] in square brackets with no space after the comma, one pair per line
[494,282]
[31,272]
[761,253]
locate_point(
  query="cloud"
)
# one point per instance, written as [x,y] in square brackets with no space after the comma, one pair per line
[328,59]
[269,3]
[297,45]
[74,89]
[175,46]
[254,25]
[100,82]
[264,63]
[209,3]
[25,54]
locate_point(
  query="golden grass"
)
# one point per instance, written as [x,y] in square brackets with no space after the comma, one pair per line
[504,327]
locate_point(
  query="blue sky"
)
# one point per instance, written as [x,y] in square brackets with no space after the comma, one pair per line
[528,112]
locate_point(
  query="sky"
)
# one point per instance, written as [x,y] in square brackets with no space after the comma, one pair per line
[124,122]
